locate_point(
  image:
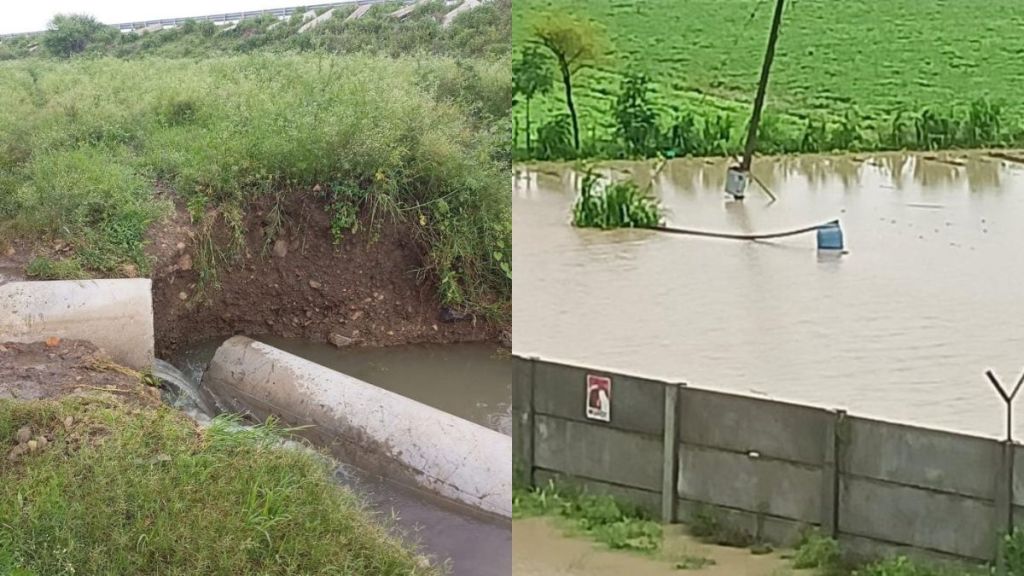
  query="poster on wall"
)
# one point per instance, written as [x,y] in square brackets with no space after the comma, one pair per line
[599,398]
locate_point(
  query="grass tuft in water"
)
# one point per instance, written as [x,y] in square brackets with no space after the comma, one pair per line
[616,205]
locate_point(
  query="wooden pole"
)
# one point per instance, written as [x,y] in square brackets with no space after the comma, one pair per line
[762,88]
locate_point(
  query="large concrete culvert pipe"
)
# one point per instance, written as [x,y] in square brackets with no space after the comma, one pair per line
[115,315]
[367,426]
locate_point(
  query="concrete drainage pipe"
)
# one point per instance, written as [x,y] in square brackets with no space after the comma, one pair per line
[367,426]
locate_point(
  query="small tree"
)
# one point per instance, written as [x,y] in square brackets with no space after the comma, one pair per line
[531,77]
[576,44]
[636,122]
[69,34]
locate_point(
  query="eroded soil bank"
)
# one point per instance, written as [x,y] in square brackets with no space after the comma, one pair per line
[286,275]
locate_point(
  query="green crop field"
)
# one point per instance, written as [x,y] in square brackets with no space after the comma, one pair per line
[856,74]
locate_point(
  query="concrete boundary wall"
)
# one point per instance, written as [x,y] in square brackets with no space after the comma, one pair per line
[766,468]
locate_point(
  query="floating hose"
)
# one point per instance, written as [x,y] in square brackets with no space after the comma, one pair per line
[728,236]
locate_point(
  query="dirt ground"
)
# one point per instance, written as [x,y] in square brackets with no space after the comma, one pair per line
[363,291]
[57,368]
[540,548]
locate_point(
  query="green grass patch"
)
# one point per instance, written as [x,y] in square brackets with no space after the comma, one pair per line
[43,268]
[678,77]
[421,139]
[601,518]
[617,204]
[141,491]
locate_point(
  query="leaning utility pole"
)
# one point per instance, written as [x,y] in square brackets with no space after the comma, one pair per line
[737,181]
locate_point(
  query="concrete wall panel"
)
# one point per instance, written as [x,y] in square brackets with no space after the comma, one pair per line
[754,484]
[778,531]
[644,500]
[598,452]
[637,404]
[920,457]
[860,550]
[902,515]
[738,423]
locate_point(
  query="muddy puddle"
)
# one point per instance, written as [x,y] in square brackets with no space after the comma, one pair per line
[553,552]
[903,327]
[472,381]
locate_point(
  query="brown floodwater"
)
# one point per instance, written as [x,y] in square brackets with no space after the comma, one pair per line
[902,327]
[550,552]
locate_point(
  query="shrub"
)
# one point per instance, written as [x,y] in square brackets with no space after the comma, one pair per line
[69,34]
[617,205]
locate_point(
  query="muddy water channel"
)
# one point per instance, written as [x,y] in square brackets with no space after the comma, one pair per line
[903,327]
[472,381]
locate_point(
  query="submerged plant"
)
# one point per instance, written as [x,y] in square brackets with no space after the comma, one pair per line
[616,205]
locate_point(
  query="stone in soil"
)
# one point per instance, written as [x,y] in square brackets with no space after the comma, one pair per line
[280,248]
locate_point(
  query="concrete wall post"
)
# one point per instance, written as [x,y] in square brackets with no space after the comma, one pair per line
[528,453]
[1004,503]
[830,476]
[670,454]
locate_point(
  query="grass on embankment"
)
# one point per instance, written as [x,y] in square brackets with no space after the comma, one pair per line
[141,491]
[84,143]
[857,75]
[483,31]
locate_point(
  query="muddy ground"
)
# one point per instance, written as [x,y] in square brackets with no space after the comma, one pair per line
[290,280]
[57,368]
[541,548]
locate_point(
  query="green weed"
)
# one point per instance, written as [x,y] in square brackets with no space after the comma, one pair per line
[599,517]
[1013,553]
[817,551]
[49,269]
[903,566]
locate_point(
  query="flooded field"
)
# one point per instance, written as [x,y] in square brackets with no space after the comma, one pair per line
[903,327]
[472,381]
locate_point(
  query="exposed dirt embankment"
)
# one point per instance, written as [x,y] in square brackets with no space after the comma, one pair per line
[297,282]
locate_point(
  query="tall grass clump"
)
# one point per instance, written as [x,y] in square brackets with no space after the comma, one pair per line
[130,490]
[420,140]
[616,205]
